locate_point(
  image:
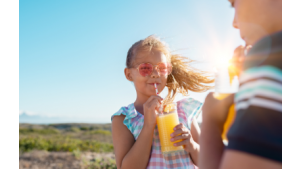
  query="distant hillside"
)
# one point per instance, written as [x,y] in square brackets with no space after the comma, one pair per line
[67,126]
[41,119]
[26,118]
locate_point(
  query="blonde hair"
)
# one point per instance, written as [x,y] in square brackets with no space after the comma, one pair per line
[183,78]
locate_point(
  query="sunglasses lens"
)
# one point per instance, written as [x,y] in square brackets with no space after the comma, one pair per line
[145,69]
[165,68]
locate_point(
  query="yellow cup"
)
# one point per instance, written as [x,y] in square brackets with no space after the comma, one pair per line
[230,117]
[166,123]
[226,83]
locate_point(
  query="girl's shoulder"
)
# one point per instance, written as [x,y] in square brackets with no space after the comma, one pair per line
[129,111]
[188,109]
[130,115]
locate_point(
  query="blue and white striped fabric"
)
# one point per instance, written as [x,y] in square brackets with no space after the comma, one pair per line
[261,87]
[257,128]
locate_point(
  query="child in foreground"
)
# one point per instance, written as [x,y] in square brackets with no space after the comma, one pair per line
[255,137]
[135,134]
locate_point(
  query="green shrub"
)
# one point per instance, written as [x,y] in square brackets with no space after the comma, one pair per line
[103,132]
[62,144]
[84,128]
[74,129]
[38,131]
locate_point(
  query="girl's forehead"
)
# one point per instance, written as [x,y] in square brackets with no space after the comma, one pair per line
[152,57]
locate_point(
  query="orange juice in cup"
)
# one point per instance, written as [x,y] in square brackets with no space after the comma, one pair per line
[166,123]
[230,117]
[226,83]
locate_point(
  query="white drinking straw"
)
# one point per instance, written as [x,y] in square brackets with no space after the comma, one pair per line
[160,109]
[156,88]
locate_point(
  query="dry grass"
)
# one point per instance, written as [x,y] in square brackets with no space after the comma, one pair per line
[65,160]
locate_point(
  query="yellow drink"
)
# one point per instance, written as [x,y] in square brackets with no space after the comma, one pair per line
[230,116]
[226,83]
[166,123]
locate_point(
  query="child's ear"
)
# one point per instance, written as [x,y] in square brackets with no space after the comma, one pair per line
[128,74]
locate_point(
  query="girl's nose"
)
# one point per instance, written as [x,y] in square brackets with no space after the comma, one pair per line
[155,73]
[234,22]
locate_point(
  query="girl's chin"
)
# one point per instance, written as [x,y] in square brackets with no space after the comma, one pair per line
[151,93]
[147,93]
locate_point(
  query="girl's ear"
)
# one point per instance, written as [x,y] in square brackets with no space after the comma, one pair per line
[128,74]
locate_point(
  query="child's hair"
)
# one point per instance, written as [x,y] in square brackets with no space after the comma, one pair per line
[183,77]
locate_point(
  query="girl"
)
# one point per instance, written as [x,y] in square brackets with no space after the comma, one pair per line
[135,135]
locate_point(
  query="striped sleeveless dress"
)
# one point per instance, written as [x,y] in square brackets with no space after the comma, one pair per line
[187,109]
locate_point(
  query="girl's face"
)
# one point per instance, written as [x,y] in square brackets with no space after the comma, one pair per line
[257,18]
[145,85]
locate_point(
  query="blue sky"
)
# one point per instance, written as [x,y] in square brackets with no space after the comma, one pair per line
[72,53]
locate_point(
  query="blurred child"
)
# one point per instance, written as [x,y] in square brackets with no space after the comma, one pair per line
[255,138]
[135,134]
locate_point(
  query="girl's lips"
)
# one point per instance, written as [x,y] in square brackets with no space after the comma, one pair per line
[153,84]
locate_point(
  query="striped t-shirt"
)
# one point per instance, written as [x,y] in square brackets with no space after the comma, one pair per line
[257,128]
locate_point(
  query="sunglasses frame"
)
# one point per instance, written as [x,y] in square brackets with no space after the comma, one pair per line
[155,67]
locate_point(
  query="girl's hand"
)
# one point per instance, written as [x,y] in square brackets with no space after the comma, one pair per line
[238,57]
[184,134]
[151,108]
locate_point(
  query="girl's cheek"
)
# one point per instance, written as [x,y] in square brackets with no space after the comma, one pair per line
[164,80]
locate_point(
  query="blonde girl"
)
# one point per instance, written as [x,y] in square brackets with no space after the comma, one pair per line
[134,130]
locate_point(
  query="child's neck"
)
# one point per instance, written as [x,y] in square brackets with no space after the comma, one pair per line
[139,102]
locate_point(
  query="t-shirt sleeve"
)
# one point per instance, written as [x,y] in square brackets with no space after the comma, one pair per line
[257,128]
[129,113]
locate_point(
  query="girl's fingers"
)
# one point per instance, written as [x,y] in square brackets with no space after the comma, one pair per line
[156,104]
[180,137]
[184,142]
[155,98]
[179,131]
[158,98]
[239,51]
[153,102]
[178,126]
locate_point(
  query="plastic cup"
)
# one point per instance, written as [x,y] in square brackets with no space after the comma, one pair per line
[227,83]
[223,88]
[166,123]
[230,117]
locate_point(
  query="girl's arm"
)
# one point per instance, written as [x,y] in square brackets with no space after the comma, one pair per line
[214,114]
[211,146]
[195,131]
[131,154]
[135,154]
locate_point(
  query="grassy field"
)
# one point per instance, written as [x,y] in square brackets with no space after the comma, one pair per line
[71,145]
[74,140]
